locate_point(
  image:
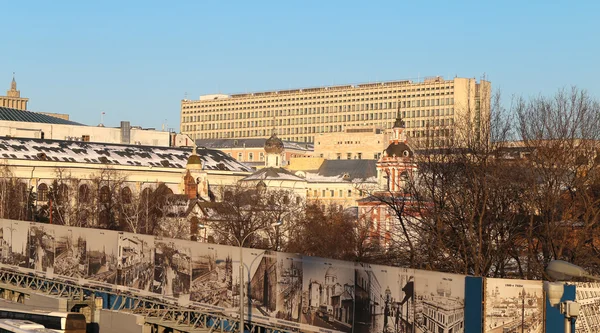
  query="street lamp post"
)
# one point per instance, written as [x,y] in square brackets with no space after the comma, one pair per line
[386,311]
[563,271]
[241,246]
[523,310]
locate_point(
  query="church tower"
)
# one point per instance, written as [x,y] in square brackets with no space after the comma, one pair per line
[13,98]
[195,180]
[397,162]
[273,149]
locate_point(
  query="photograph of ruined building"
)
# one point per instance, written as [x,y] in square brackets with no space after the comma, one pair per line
[102,247]
[211,275]
[70,253]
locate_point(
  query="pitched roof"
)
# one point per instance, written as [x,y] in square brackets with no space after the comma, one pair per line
[273,174]
[113,154]
[344,170]
[32,117]
[250,143]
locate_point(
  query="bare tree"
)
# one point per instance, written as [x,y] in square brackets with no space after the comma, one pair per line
[246,209]
[106,187]
[325,231]
[562,133]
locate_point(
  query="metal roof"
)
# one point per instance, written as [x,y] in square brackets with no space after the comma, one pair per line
[250,143]
[32,117]
[113,154]
[355,169]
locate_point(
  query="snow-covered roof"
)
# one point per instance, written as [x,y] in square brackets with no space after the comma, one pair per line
[251,143]
[350,171]
[273,174]
[113,154]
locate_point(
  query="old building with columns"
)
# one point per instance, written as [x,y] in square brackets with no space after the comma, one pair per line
[37,163]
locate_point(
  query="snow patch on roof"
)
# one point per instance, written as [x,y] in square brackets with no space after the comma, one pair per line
[113,154]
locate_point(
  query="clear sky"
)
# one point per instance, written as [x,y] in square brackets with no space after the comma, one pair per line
[135,60]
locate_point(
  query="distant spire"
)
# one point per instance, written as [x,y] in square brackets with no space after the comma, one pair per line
[13,84]
[274,125]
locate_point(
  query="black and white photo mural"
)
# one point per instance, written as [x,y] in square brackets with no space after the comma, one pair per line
[384,299]
[70,249]
[272,286]
[41,248]
[327,294]
[172,269]
[439,302]
[588,297]
[259,283]
[102,255]
[212,276]
[513,306]
[289,286]
[135,268]
[15,235]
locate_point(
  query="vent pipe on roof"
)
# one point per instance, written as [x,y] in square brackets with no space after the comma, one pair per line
[125,132]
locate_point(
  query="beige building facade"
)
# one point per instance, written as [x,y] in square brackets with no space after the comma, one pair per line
[13,98]
[351,144]
[430,107]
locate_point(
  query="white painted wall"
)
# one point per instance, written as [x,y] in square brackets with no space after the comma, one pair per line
[73,132]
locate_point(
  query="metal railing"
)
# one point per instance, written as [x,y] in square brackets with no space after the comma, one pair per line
[156,311]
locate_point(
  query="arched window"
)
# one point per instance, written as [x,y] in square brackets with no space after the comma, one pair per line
[126,195]
[104,194]
[84,193]
[63,192]
[42,192]
[146,193]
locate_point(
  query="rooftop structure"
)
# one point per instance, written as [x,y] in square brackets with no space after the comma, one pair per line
[32,117]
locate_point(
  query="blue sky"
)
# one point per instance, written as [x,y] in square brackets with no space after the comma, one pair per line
[135,60]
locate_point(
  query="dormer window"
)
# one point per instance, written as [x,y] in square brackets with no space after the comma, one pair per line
[405,153]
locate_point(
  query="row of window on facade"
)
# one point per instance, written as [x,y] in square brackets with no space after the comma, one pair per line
[198,104]
[84,193]
[448,119]
[332,193]
[320,110]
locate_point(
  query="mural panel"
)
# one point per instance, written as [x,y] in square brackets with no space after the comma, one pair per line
[439,295]
[328,294]
[513,306]
[41,248]
[289,273]
[384,299]
[15,235]
[172,269]
[259,282]
[70,248]
[588,296]
[135,268]
[211,284]
[102,254]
